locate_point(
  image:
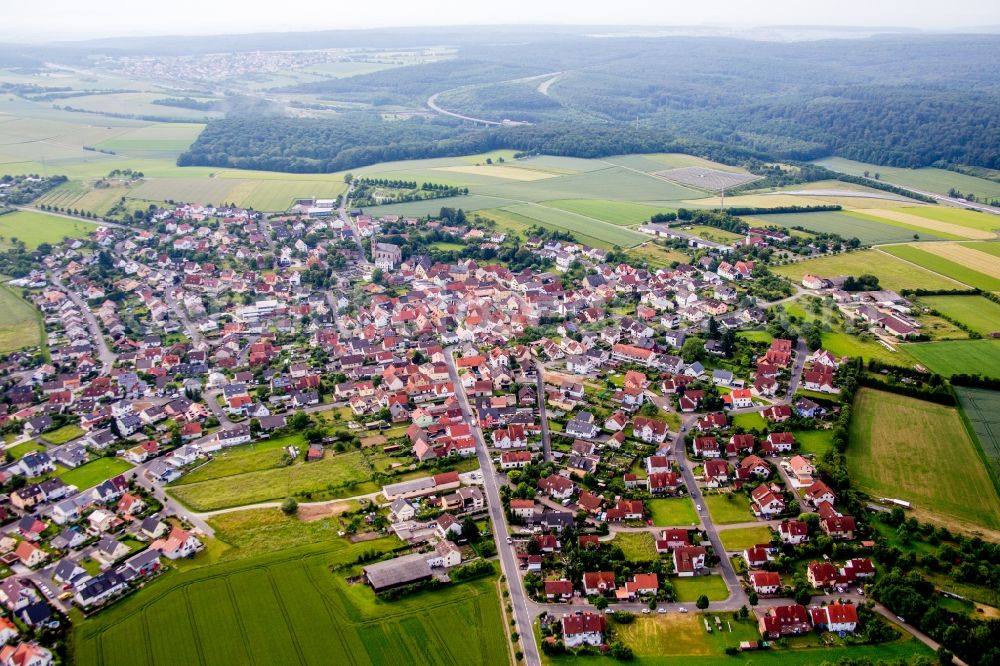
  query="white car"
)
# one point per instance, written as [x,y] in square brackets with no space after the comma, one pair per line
[698,506]
[645,611]
[661,610]
[682,610]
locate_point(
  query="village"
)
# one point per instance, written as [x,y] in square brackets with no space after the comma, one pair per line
[629,449]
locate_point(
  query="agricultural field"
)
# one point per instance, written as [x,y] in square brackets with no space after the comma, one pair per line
[930,179]
[958,356]
[971,267]
[75,194]
[920,452]
[90,474]
[672,512]
[153,141]
[893,273]
[637,546]
[651,162]
[292,607]
[728,508]
[703,178]
[689,589]
[982,409]
[930,221]
[138,104]
[20,322]
[846,223]
[744,537]
[34,228]
[623,213]
[980,314]
[341,475]
[988,248]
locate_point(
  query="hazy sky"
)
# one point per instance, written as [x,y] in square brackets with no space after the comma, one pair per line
[61,19]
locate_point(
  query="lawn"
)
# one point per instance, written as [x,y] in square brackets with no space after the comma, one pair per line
[343,475]
[292,606]
[755,336]
[749,421]
[744,537]
[845,344]
[656,255]
[447,247]
[67,433]
[20,323]
[958,356]
[689,589]
[637,546]
[956,271]
[678,511]
[34,228]
[892,273]
[920,452]
[24,449]
[816,442]
[90,474]
[729,508]
[980,314]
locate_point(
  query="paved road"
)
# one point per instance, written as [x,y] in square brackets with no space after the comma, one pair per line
[96,223]
[801,351]
[193,333]
[508,563]
[274,505]
[104,354]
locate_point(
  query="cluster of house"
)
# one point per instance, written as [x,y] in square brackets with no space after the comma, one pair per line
[881,310]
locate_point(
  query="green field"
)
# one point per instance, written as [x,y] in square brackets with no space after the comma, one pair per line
[963,217]
[656,255]
[90,474]
[343,475]
[729,508]
[845,344]
[25,448]
[847,224]
[987,247]
[892,273]
[677,511]
[946,267]
[816,442]
[64,434]
[982,409]
[292,607]
[744,537]
[637,546]
[622,213]
[587,228]
[34,228]
[689,589]
[749,420]
[958,356]
[980,314]
[681,640]
[920,452]
[243,459]
[931,179]
[20,322]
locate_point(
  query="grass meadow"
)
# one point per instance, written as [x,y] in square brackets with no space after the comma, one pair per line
[729,508]
[34,228]
[744,537]
[293,607]
[918,451]
[980,314]
[342,475]
[848,224]
[676,511]
[622,213]
[20,323]
[958,356]
[90,474]
[637,546]
[893,273]
[689,589]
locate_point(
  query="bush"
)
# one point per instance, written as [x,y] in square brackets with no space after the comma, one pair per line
[290,507]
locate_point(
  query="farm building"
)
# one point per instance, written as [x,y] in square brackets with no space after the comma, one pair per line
[397,572]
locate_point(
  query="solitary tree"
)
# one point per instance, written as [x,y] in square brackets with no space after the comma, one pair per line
[702,602]
[290,507]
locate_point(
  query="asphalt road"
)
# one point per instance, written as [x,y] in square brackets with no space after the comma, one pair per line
[104,354]
[508,562]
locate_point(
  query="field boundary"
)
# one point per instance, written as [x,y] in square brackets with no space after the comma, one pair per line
[967,423]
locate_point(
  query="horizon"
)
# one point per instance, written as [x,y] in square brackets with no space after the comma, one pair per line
[67,21]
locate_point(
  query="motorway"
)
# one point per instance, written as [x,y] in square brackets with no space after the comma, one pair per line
[523,607]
